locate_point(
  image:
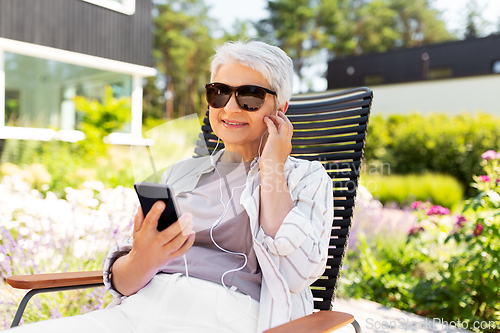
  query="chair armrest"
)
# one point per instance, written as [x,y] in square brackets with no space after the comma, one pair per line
[318,322]
[40,281]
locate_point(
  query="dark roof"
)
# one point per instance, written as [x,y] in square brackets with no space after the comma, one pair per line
[463,58]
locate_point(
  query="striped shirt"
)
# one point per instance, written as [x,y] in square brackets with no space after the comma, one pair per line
[292,260]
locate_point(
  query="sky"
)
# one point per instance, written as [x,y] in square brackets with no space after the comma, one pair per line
[226,12]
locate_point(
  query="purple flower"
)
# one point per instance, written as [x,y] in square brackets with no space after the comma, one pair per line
[490,155]
[438,210]
[484,178]
[478,230]
[460,221]
[416,204]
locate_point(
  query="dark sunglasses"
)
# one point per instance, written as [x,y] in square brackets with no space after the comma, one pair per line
[249,98]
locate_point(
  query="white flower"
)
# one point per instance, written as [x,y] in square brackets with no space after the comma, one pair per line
[24,231]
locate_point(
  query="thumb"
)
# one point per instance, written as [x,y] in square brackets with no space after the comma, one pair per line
[151,219]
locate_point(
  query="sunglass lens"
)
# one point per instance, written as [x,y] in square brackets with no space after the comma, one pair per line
[250,98]
[218,95]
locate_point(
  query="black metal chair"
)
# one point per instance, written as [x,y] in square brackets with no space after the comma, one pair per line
[330,128]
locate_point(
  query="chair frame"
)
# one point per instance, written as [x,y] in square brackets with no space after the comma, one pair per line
[330,128]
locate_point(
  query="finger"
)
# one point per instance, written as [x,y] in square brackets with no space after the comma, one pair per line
[284,117]
[183,226]
[188,243]
[138,220]
[175,243]
[286,120]
[151,219]
[282,123]
[186,223]
[271,126]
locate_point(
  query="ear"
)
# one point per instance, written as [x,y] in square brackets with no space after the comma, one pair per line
[283,107]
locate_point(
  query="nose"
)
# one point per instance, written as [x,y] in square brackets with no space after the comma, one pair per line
[232,106]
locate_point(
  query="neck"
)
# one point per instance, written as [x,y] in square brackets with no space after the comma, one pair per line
[245,154]
[249,151]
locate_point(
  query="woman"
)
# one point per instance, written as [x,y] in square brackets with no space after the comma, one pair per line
[262,218]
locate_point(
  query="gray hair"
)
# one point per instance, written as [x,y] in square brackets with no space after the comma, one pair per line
[270,61]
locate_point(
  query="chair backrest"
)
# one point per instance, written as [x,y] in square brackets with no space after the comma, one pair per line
[330,128]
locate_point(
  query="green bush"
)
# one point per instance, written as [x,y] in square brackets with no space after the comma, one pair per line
[440,189]
[434,143]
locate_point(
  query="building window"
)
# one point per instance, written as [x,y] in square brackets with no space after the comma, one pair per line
[496,67]
[440,73]
[39,92]
[371,80]
[122,6]
[12,107]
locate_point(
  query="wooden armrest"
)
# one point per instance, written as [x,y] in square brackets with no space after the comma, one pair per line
[318,322]
[40,281]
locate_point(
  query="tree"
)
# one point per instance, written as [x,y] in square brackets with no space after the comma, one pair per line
[354,27]
[337,20]
[473,21]
[418,24]
[376,27]
[183,47]
[292,26]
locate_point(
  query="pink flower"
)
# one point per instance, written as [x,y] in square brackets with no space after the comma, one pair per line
[460,221]
[484,178]
[438,210]
[490,155]
[416,204]
[478,230]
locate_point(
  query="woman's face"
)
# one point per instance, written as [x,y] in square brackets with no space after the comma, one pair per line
[241,130]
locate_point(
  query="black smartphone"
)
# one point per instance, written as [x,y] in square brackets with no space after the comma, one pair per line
[149,193]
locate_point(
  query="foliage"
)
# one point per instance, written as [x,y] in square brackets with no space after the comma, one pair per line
[292,26]
[477,271]
[183,46]
[56,165]
[101,119]
[381,25]
[474,22]
[440,189]
[44,234]
[435,143]
[448,266]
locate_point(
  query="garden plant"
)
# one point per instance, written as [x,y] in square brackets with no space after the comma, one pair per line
[446,265]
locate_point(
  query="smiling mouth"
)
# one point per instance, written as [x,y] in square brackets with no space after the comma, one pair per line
[233,123]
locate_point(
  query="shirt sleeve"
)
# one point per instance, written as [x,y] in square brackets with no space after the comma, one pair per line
[113,254]
[300,246]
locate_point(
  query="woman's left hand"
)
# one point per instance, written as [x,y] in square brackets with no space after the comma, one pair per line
[276,201]
[279,140]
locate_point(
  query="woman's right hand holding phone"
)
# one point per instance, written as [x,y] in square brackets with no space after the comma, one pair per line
[151,249]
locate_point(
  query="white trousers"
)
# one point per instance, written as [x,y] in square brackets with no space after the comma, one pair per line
[169,303]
